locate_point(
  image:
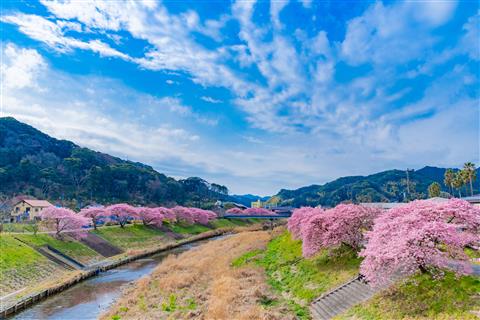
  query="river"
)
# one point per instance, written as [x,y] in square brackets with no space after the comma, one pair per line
[88,299]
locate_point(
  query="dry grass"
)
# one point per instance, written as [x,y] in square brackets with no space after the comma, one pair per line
[202,284]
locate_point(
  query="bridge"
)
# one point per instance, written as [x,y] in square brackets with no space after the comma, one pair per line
[246,216]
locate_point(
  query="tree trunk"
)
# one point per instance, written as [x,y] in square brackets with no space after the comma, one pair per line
[423,270]
[471,187]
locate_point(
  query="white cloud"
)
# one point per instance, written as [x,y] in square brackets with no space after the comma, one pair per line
[20,67]
[210,99]
[385,34]
[51,34]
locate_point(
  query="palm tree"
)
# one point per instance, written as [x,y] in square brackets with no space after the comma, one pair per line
[470,174]
[459,181]
[448,180]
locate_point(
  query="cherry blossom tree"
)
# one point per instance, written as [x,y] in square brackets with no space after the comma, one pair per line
[258,212]
[420,236]
[150,216]
[95,214]
[202,216]
[168,214]
[299,218]
[121,213]
[63,219]
[234,211]
[343,225]
[183,214]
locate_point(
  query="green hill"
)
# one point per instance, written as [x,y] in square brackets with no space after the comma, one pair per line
[36,164]
[386,186]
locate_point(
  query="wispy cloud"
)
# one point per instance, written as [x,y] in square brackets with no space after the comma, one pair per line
[357,96]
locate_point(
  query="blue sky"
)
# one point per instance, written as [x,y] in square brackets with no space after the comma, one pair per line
[255,95]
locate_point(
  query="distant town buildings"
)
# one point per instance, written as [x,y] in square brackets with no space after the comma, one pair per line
[474,200]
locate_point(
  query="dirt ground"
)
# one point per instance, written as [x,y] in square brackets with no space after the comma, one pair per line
[202,284]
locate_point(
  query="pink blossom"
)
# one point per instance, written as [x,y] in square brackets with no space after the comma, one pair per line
[63,219]
[150,216]
[258,212]
[235,211]
[168,214]
[345,224]
[122,213]
[94,213]
[183,214]
[299,218]
[420,235]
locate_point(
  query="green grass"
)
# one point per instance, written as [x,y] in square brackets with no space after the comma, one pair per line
[228,223]
[299,279]
[423,297]
[17,227]
[68,246]
[15,254]
[473,254]
[188,228]
[135,236]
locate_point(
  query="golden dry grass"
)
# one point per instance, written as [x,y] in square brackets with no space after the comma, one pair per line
[202,284]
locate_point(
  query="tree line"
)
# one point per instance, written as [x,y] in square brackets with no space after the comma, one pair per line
[455,181]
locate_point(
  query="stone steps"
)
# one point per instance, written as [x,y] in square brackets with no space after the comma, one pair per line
[341,299]
[58,259]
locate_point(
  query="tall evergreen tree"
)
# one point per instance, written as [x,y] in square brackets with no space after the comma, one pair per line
[448,180]
[470,174]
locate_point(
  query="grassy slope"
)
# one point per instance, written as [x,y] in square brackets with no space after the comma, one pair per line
[20,264]
[68,246]
[132,236]
[301,280]
[423,298]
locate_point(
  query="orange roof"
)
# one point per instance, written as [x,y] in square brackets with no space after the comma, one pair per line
[38,203]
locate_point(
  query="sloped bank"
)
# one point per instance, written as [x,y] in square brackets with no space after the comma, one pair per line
[12,308]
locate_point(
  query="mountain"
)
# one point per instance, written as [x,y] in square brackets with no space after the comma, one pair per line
[247,199]
[33,163]
[386,186]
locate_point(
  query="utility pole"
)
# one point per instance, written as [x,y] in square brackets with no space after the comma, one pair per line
[408,183]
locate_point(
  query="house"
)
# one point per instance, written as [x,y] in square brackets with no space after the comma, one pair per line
[28,209]
[257,204]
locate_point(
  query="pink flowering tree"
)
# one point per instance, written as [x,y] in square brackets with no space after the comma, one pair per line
[168,214]
[234,211]
[345,224]
[258,212]
[121,213]
[62,219]
[202,216]
[95,214]
[183,214]
[299,219]
[150,216]
[420,236]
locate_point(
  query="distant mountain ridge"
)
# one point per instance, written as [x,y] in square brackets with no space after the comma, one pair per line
[247,199]
[386,186]
[36,164]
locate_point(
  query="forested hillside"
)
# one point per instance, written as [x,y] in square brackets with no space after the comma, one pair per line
[386,186]
[36,164]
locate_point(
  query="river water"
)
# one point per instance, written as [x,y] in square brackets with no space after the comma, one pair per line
[88,299]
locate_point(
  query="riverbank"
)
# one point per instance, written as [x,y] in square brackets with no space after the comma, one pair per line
[32,294]
[205,283]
